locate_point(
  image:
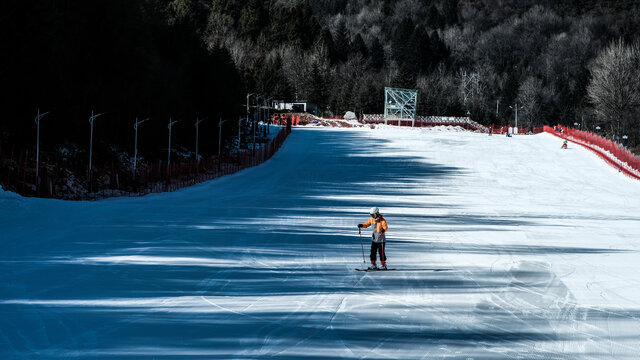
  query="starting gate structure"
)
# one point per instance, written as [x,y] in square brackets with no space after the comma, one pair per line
[400,104]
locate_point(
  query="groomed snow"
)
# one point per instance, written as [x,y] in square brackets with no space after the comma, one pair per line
[505,248]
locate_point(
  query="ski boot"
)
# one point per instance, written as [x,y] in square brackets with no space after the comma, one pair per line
[372,267]
[383,266]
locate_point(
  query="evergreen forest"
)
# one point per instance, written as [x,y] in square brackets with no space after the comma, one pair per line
[560,61]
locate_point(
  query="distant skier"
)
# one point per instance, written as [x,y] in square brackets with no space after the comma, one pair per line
[564,145]
[378,237]
[490,130]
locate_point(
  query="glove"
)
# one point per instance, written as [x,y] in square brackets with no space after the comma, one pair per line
[381,231]
[360,226]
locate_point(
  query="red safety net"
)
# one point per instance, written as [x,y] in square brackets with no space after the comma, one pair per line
[281,119]
[501,130]
[498,130]
[608,150]
[20,177]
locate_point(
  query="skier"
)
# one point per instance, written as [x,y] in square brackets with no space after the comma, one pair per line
[377,237]
[564,144]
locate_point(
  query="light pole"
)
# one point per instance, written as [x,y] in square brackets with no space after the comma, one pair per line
[198,123]
[135,149]
[511,107]
[169,153]
[220,134]
[253,123]
[268,114]
[239,120]
[91,119]
[38,117]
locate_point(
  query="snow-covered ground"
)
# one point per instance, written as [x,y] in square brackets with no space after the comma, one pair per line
[505,248]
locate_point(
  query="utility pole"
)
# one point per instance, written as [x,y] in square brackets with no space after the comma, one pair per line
[254,123]
[239,121]
[497,107]
[198,123]
[267,103]
[135,149]
[38,117]
[91,119]
[269,114]
[220,134]
[169,153]
[510,107]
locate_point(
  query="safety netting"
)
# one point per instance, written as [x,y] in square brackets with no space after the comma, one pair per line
[607,149]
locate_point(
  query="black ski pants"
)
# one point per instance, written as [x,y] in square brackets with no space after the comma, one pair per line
[377,247]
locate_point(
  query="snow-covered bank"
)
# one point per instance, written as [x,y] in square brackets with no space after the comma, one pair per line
[537,248]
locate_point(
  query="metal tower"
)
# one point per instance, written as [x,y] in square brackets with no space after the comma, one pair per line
[400,104]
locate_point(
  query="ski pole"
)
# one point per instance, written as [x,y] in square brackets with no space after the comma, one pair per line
[361,245]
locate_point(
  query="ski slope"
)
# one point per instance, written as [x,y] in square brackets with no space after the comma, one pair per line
[506,248]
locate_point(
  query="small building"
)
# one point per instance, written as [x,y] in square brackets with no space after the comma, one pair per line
[295,106]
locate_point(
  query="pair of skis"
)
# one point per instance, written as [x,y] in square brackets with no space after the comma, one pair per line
[390,269]
[414,269]
[376,269]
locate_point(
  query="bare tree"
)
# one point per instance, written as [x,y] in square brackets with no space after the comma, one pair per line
[461,41]
[437,88]
[615,86]
[529,96]
[299,66]
[296,70]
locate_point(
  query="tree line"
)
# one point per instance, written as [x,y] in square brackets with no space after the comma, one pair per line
[465,57]
[186,59]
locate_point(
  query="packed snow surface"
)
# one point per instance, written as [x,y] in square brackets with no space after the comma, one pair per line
[505,248]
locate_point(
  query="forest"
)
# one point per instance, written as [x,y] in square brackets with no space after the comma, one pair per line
[567,62]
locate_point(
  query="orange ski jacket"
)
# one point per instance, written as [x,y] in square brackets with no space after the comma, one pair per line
[381,228]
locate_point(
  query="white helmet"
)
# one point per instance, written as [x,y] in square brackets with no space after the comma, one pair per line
[374,210]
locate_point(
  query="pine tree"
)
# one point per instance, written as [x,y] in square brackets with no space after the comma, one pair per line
[358,46]
[401,35]
[326,39]
[425,51]
[318,93]
[439,50]
[253,18]
[341,41]
[433,17]
[405,78]
[450,12]
[376,54]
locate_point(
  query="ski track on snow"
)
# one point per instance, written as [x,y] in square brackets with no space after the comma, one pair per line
[259,264]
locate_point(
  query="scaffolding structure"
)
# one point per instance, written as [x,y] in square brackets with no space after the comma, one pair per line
[469,85]
[400,104]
